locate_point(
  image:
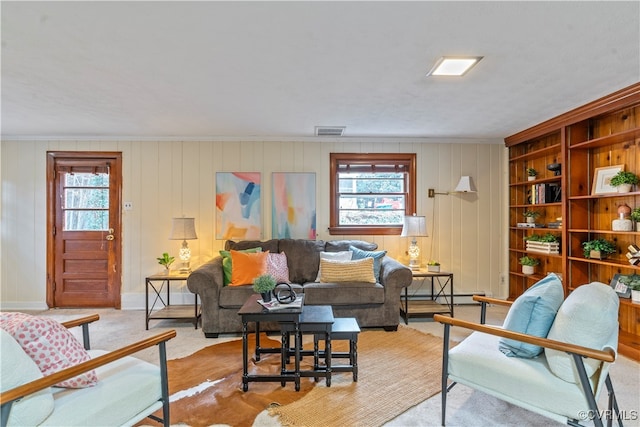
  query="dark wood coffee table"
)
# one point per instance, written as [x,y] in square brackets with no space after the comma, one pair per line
[252,311]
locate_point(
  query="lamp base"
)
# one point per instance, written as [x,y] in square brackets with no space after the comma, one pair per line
[414,264]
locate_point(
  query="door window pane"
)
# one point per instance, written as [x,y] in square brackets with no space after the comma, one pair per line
[86,201]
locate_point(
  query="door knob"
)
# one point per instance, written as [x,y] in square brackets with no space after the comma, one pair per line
[109,237]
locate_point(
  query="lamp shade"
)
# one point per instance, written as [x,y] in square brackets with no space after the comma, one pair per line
[414,226]
[465,185]
[183,229]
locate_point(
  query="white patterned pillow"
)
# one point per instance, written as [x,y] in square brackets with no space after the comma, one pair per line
[336,256]
[347,271]
[50,345]
[277,267]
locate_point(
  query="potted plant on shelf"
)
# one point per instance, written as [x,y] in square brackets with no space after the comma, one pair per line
[633,282]
[635,216]
[166,261]
[598,248]
[531,174]
[624,180]
[433,266]
[546,243]
[263,285]
[528,263]
[531,216]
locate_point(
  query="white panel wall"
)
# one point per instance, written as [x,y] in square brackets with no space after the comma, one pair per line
[164,179]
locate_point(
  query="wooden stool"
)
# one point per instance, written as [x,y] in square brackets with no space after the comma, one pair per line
[344,328]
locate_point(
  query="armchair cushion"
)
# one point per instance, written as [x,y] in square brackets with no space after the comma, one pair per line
[532,313]
[588,317]
[17,369]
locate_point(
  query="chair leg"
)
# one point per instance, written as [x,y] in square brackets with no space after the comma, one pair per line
[165,384]
[445,370]
[613,402]
[586,388]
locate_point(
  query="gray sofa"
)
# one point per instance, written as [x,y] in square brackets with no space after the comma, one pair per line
[372,305]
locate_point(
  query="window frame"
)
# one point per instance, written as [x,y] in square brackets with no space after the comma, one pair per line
[372,159]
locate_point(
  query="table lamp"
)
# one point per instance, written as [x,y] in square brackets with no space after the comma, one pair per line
[184,229]
[414,226]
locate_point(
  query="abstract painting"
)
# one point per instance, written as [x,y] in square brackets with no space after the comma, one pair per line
[293,207]
[238,214]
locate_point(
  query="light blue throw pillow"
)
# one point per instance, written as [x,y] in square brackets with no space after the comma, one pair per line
[376,255]
[532,313]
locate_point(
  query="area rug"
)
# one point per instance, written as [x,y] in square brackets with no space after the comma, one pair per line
[397,370]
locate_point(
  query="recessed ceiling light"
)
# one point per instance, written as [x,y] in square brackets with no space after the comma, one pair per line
[454,65]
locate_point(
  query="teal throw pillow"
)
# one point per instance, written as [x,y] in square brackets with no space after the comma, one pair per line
[376,255]
[226,263]
[532,313]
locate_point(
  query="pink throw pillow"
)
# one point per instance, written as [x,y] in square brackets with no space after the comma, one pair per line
[51,346]
[277,267]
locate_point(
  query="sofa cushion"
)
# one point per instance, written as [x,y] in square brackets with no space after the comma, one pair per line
[268,245]
[588,317]
[17,369]
[343,245]
[335,256]
[303,257]
[345,293]
[227,263]
[532,313]
[51,346]
[347,271]
[376,255]
[247,266]
[277,267]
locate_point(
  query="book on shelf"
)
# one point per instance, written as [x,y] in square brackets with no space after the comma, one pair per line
[274,305]
[544,193]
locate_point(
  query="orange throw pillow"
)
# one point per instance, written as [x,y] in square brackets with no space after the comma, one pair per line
[247,266]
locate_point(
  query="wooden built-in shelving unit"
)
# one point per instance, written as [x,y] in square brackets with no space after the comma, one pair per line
[603,133]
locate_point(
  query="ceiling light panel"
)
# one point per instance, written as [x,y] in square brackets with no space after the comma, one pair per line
[454,65]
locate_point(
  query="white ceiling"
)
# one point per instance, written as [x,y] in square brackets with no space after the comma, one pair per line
[278,69]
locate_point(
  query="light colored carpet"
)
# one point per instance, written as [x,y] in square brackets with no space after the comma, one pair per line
[465,407]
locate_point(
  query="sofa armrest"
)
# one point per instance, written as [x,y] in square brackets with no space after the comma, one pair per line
[65,374]
[393,274]
[607,355]
[207,280]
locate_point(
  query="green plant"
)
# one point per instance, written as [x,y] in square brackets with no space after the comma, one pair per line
[635,214]
[532,172]
[531,214]
[545,238]
[604,246]
[527,260]
[264,283]
[632,281]
[432,262]
[624,177]
[166,260]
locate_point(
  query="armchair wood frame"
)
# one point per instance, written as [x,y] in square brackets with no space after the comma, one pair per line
[577,352]
[8,397]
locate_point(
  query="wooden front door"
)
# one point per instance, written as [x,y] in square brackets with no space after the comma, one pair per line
[83,229]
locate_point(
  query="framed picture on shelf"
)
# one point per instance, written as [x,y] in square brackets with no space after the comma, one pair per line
[602,179]
[620,286]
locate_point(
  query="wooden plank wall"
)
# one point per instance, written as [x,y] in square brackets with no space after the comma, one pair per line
[165,179]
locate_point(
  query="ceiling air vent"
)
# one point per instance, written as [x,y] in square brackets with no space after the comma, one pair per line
[330,130]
